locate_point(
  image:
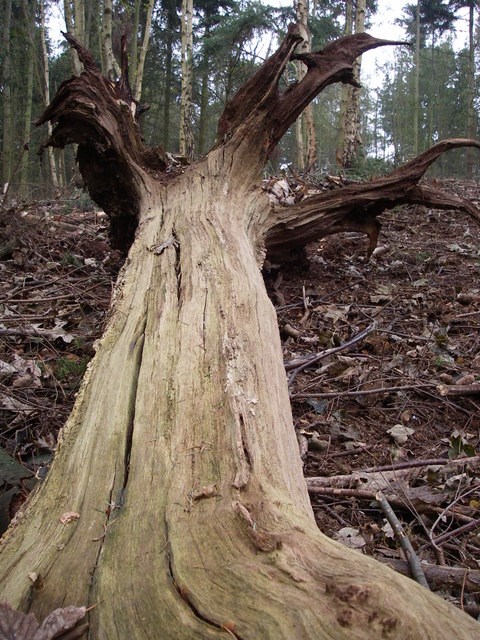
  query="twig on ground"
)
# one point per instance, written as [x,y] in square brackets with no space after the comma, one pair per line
[306,307]
[433,462]
[303,363]
[365,392]
[334,515]
[278,293]
[399,503]
[461,496]
[455,532]
[459,389]
[412,558]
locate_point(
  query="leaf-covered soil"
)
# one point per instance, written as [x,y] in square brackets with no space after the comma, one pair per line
[396,411]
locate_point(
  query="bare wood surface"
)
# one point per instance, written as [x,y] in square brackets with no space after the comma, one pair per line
[178,438]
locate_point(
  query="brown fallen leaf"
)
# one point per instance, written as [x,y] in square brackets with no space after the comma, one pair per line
[60,621]
[466,379]
[16,625]
[68,517]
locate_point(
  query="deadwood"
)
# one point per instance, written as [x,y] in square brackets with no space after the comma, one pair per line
[261,112]
[355,207]
[180,457]
[101,117]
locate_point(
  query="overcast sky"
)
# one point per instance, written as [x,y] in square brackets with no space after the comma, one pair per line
[383,26]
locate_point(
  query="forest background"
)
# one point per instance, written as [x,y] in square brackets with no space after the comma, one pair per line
[422,93]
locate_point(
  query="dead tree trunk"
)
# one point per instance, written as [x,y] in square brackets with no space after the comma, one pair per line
[180,455]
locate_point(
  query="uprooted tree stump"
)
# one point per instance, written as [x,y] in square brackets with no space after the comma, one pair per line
[180,456]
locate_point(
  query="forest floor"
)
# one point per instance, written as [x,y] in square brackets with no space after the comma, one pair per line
[391,402]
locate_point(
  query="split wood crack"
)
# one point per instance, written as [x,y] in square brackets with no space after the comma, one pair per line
[137,344]
[228,626]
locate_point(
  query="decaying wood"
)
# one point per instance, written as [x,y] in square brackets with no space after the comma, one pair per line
[187,391]
[379,478]
[459,389]
[372,481]
[102,118]
[355,207]
[399,496]
[440,577]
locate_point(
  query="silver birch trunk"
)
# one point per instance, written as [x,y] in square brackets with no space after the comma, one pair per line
[305,126]
[352,139]
[416,105]
[46,95]
[70,19]
[79,20]
[186,134]
[110,67]
[301,12]
[138,78]
[345,95]
[7,141]
[471,89]
[133,59]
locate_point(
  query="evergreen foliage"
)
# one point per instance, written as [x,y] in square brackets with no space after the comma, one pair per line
[231,39]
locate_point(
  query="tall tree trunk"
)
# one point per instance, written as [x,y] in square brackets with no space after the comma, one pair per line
[345,96]
[143,51]
[90,7]
[304,126]
[471,89]
[27,124]
[202,125]
[110,67]
[180,456]
[432,103]
[352,139]
[186,134]
[46,95]
[133,60]
[168,72]
[62,172]
[79,20]
[416,99]
[71,10]
[7,135]
[29,18]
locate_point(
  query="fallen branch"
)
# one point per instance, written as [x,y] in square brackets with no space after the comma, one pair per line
[459,389]
[348,493]
[455,532]
[441,516]
[311,360]
[432,462]
[412,558]
[372,481]
[439,576]
[355,207]
[365,392]
[410,503]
